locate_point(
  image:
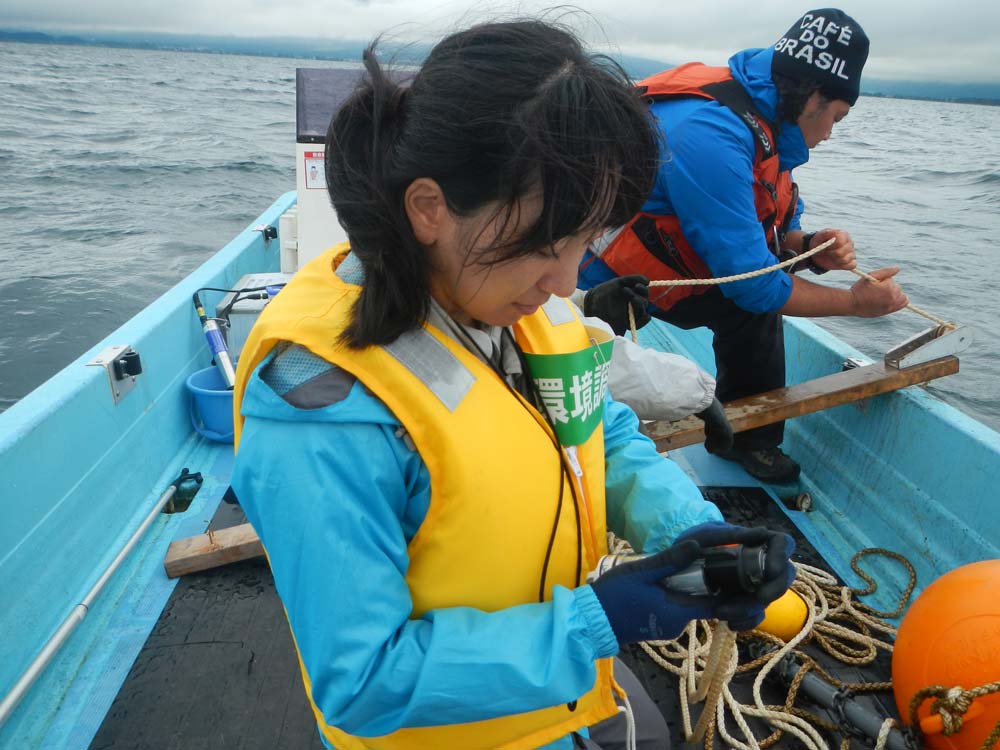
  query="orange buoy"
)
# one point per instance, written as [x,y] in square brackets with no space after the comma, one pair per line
[950,636]
[785,616]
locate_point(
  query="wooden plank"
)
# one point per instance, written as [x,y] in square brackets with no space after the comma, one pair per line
[205,551]
[802,398]
[236,543]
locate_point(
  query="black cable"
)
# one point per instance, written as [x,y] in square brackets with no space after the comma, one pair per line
[239,297]
[244,289]
[540,405]
[555,526]
[237,292]
[564,473]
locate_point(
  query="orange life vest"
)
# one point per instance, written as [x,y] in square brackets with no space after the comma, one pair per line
[653,244]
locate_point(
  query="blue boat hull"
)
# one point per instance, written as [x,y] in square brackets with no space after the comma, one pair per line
[79,473]
[902,471]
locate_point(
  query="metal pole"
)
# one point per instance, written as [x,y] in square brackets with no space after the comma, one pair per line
[76,616]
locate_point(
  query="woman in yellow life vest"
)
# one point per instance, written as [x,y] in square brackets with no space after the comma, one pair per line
[425,444]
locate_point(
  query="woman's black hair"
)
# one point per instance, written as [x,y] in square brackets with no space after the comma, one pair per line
[793,93]
[495,112]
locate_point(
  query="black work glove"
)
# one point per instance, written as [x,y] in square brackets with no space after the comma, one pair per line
[640,608]
[609,301]
[718,431]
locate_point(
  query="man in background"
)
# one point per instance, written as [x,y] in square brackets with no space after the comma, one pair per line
[724,203]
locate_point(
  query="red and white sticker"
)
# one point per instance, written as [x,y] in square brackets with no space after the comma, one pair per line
[315,176]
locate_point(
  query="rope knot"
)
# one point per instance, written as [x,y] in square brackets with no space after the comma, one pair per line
[952,706]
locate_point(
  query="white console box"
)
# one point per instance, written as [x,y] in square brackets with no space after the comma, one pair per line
[244,313]
[318,228]
[319,92]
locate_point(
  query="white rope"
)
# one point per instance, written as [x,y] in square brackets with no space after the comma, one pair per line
[749,274]
[883,733]
[771,269]
[631,739]
[782,719]
[703,644]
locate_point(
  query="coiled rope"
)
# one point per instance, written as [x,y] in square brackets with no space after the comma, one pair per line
[705,658]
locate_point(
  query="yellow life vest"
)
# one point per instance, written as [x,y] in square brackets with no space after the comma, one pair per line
[495,477]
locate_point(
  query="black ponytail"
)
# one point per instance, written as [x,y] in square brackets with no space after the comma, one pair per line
[359,144]
[495,111]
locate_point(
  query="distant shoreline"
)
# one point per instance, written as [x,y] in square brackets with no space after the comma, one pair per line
[986,102]
[350,51]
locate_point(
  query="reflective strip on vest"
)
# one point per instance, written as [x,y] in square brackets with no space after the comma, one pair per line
[558,311]
[433,365]
[351,271]
[602,243]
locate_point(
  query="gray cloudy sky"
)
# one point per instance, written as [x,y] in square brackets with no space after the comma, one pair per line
[956,40]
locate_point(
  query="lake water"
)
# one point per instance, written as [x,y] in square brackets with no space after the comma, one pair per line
[122,170]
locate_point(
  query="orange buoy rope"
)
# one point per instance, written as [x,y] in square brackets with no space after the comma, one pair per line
[951,704]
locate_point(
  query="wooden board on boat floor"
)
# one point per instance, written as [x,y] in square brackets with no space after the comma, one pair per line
[207,551]
[752,506]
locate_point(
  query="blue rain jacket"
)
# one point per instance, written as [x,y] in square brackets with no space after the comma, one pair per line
[339,483]
[705,178]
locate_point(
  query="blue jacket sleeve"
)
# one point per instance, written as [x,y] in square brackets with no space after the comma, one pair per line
[708,181]
[337,537]
[650,500]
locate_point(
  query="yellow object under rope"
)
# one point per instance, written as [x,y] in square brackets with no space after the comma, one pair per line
[704,659]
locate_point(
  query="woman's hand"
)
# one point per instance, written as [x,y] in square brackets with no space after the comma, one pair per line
[640,607]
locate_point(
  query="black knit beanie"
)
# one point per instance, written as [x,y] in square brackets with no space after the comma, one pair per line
[827,46]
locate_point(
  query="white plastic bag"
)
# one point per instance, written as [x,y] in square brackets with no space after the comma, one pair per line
[656,385]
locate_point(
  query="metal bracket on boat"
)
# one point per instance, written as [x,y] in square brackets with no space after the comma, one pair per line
[123,366]
[269,231]
[934,343]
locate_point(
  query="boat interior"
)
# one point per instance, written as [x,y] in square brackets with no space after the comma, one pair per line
[205,659]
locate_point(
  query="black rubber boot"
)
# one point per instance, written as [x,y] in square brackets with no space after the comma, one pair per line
[766,464]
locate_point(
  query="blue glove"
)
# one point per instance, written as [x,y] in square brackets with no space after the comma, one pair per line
[778,569]
[637,605]
[640,608]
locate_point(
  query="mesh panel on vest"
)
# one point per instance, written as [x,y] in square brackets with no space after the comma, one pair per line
[351,271]
[291,367]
